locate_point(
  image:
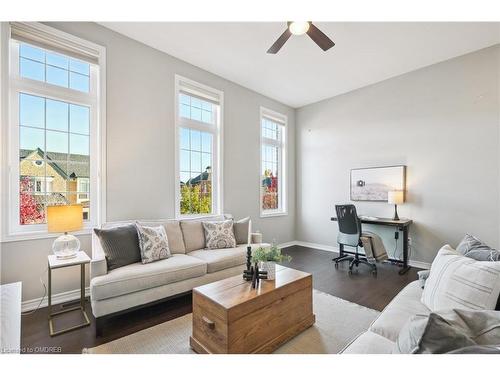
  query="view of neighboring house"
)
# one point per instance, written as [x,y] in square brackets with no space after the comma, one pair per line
[56,179]
[196,193]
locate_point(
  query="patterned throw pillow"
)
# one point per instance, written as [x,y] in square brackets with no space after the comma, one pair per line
[153,243]
[219,234]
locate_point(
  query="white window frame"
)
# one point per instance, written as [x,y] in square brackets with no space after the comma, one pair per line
[12,84]
[282,120]
[200,90]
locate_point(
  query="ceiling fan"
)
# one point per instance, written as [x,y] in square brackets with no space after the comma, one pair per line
[300,28]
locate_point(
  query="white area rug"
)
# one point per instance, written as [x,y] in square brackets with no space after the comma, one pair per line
[338,322]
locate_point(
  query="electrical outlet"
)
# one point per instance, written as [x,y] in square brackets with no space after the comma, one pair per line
[409,241]
[396,235]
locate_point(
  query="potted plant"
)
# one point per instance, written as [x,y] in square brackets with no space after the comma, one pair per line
[268,257]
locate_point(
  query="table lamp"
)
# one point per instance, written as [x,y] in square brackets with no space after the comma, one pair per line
[395,197]
[65,219]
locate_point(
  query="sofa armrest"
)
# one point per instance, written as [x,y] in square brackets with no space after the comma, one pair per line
[98,267]
[255,238]
[98,264]
[257,245]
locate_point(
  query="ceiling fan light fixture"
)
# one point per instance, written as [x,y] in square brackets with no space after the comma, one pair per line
[299,27]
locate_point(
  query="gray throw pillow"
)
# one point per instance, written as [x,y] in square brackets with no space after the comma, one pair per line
[242,230]
[478,349]
[448,331]
[474,248]
[120,245]
[219,234]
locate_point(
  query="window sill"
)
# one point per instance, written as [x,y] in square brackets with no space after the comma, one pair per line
[15,237]
[273,214]
[197,217]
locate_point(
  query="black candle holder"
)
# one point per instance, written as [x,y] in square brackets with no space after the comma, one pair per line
[252,273]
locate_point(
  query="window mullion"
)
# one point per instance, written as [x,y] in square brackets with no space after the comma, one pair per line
[57,93]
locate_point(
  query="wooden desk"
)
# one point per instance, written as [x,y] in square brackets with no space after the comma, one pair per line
[402,225]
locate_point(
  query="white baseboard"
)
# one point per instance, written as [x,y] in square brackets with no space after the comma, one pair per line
[73,295]
[335,249]
[417,264]
[287,244]
[70,295]
[318,246]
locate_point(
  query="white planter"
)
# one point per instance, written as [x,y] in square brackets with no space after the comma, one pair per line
[270,267]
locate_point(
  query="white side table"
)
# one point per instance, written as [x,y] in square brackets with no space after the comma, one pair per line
[81,259]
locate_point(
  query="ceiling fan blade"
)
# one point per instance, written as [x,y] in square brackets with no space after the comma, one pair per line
[319,38]
[279,42]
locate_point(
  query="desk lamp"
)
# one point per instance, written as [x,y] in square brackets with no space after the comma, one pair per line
[395,197]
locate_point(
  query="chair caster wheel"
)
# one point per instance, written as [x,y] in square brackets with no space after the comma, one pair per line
[374,273]
[350,272]
[336,265]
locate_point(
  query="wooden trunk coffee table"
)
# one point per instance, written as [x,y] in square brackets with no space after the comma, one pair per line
[231,317]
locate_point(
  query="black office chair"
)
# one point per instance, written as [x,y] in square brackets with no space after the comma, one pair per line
[350,235]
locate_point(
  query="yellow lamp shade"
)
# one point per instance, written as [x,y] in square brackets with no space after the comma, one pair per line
[395,197]
[67,218]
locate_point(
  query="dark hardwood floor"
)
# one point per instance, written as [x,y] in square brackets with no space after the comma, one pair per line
[361,287]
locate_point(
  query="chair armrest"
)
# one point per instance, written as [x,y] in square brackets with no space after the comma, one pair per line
[98,264]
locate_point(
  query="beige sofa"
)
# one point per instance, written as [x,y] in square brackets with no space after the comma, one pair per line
[383,333]
[136,285]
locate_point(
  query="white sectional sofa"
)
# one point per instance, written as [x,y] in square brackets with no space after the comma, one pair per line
[383,332]
[136,285]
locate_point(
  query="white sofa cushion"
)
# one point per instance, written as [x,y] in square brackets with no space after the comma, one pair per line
[111,305]
[219,259]
[399,310]
[369,343]
[460,282]
[138,276]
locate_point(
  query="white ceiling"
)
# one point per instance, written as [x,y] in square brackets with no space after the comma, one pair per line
[301,73]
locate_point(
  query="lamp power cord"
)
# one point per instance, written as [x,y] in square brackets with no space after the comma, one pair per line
[41,299]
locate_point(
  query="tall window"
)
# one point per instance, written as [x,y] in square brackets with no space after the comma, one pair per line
[272,178]
[55,127]
[198,129]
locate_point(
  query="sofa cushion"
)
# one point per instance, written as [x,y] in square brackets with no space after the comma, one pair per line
[448,331]
[138,276]
[175,238]
[399,310]
[120,245]
[220,259]
[193,234]
[459,282]
[242,229]
[369,343]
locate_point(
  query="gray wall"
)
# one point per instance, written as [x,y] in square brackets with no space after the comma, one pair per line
[140,151]
[441,121]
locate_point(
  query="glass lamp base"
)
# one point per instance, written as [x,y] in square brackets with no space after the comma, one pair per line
[66,246]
